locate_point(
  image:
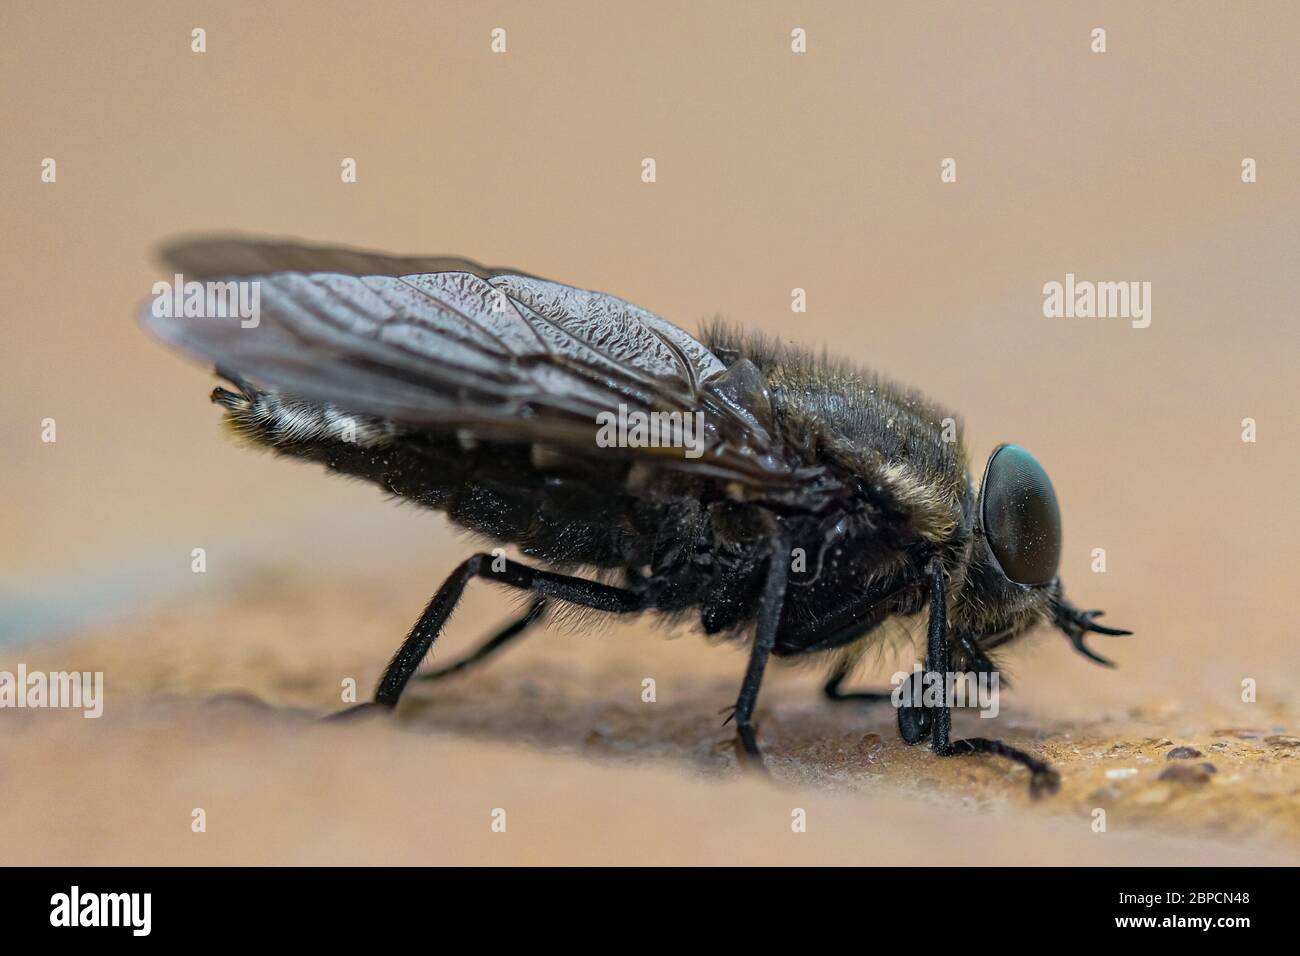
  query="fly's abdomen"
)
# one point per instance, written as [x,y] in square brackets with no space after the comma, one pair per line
[562,509]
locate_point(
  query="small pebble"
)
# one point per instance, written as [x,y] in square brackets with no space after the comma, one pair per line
[1183,753]
[1191,774]
[869,744]
[1121,773]
[1281,740]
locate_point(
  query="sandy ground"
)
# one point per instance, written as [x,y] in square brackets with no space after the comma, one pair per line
[214,706]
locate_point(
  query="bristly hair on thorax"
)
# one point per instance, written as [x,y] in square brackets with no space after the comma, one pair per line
[835,410]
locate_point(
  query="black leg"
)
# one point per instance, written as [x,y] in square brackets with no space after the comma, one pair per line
[1043,778]
[975,658]
[833,692]
[769,619]
[506,635]
[937,661]
[561,587]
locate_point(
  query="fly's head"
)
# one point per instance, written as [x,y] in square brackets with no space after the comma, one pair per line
[1012,580]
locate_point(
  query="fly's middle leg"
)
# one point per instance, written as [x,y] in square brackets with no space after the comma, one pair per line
[834,691]
[769,619]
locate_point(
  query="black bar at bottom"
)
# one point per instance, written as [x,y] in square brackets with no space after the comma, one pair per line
[333,905]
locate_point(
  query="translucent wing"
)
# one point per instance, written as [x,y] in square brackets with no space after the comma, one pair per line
[495,353]
[233,256]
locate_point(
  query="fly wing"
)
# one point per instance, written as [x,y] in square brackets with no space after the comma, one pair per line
[209,257]
[502,355]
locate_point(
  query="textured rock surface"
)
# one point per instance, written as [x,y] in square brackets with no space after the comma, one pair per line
[214,708]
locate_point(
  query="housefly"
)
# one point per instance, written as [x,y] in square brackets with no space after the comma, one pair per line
[791,500]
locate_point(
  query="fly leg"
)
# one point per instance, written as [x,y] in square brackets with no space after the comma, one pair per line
[561,587]
[938,663]
[515,629]
[913,722]
[833,692]
[769,619]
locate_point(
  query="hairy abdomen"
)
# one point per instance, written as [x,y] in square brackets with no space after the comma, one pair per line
[564,510]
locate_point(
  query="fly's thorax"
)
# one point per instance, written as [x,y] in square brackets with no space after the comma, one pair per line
[932,500]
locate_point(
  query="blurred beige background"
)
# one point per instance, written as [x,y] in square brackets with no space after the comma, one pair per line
[775,171]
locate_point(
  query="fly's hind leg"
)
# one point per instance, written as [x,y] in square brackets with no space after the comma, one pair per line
[507,635]
[546,584]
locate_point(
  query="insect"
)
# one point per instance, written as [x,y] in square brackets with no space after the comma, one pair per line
[820,502]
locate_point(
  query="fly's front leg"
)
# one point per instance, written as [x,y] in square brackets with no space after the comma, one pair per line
[1043,778]
[937,661]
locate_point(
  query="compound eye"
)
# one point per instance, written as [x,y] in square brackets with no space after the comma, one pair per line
[1021,518]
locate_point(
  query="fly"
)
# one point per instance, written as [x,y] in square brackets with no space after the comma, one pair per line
[811,502]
